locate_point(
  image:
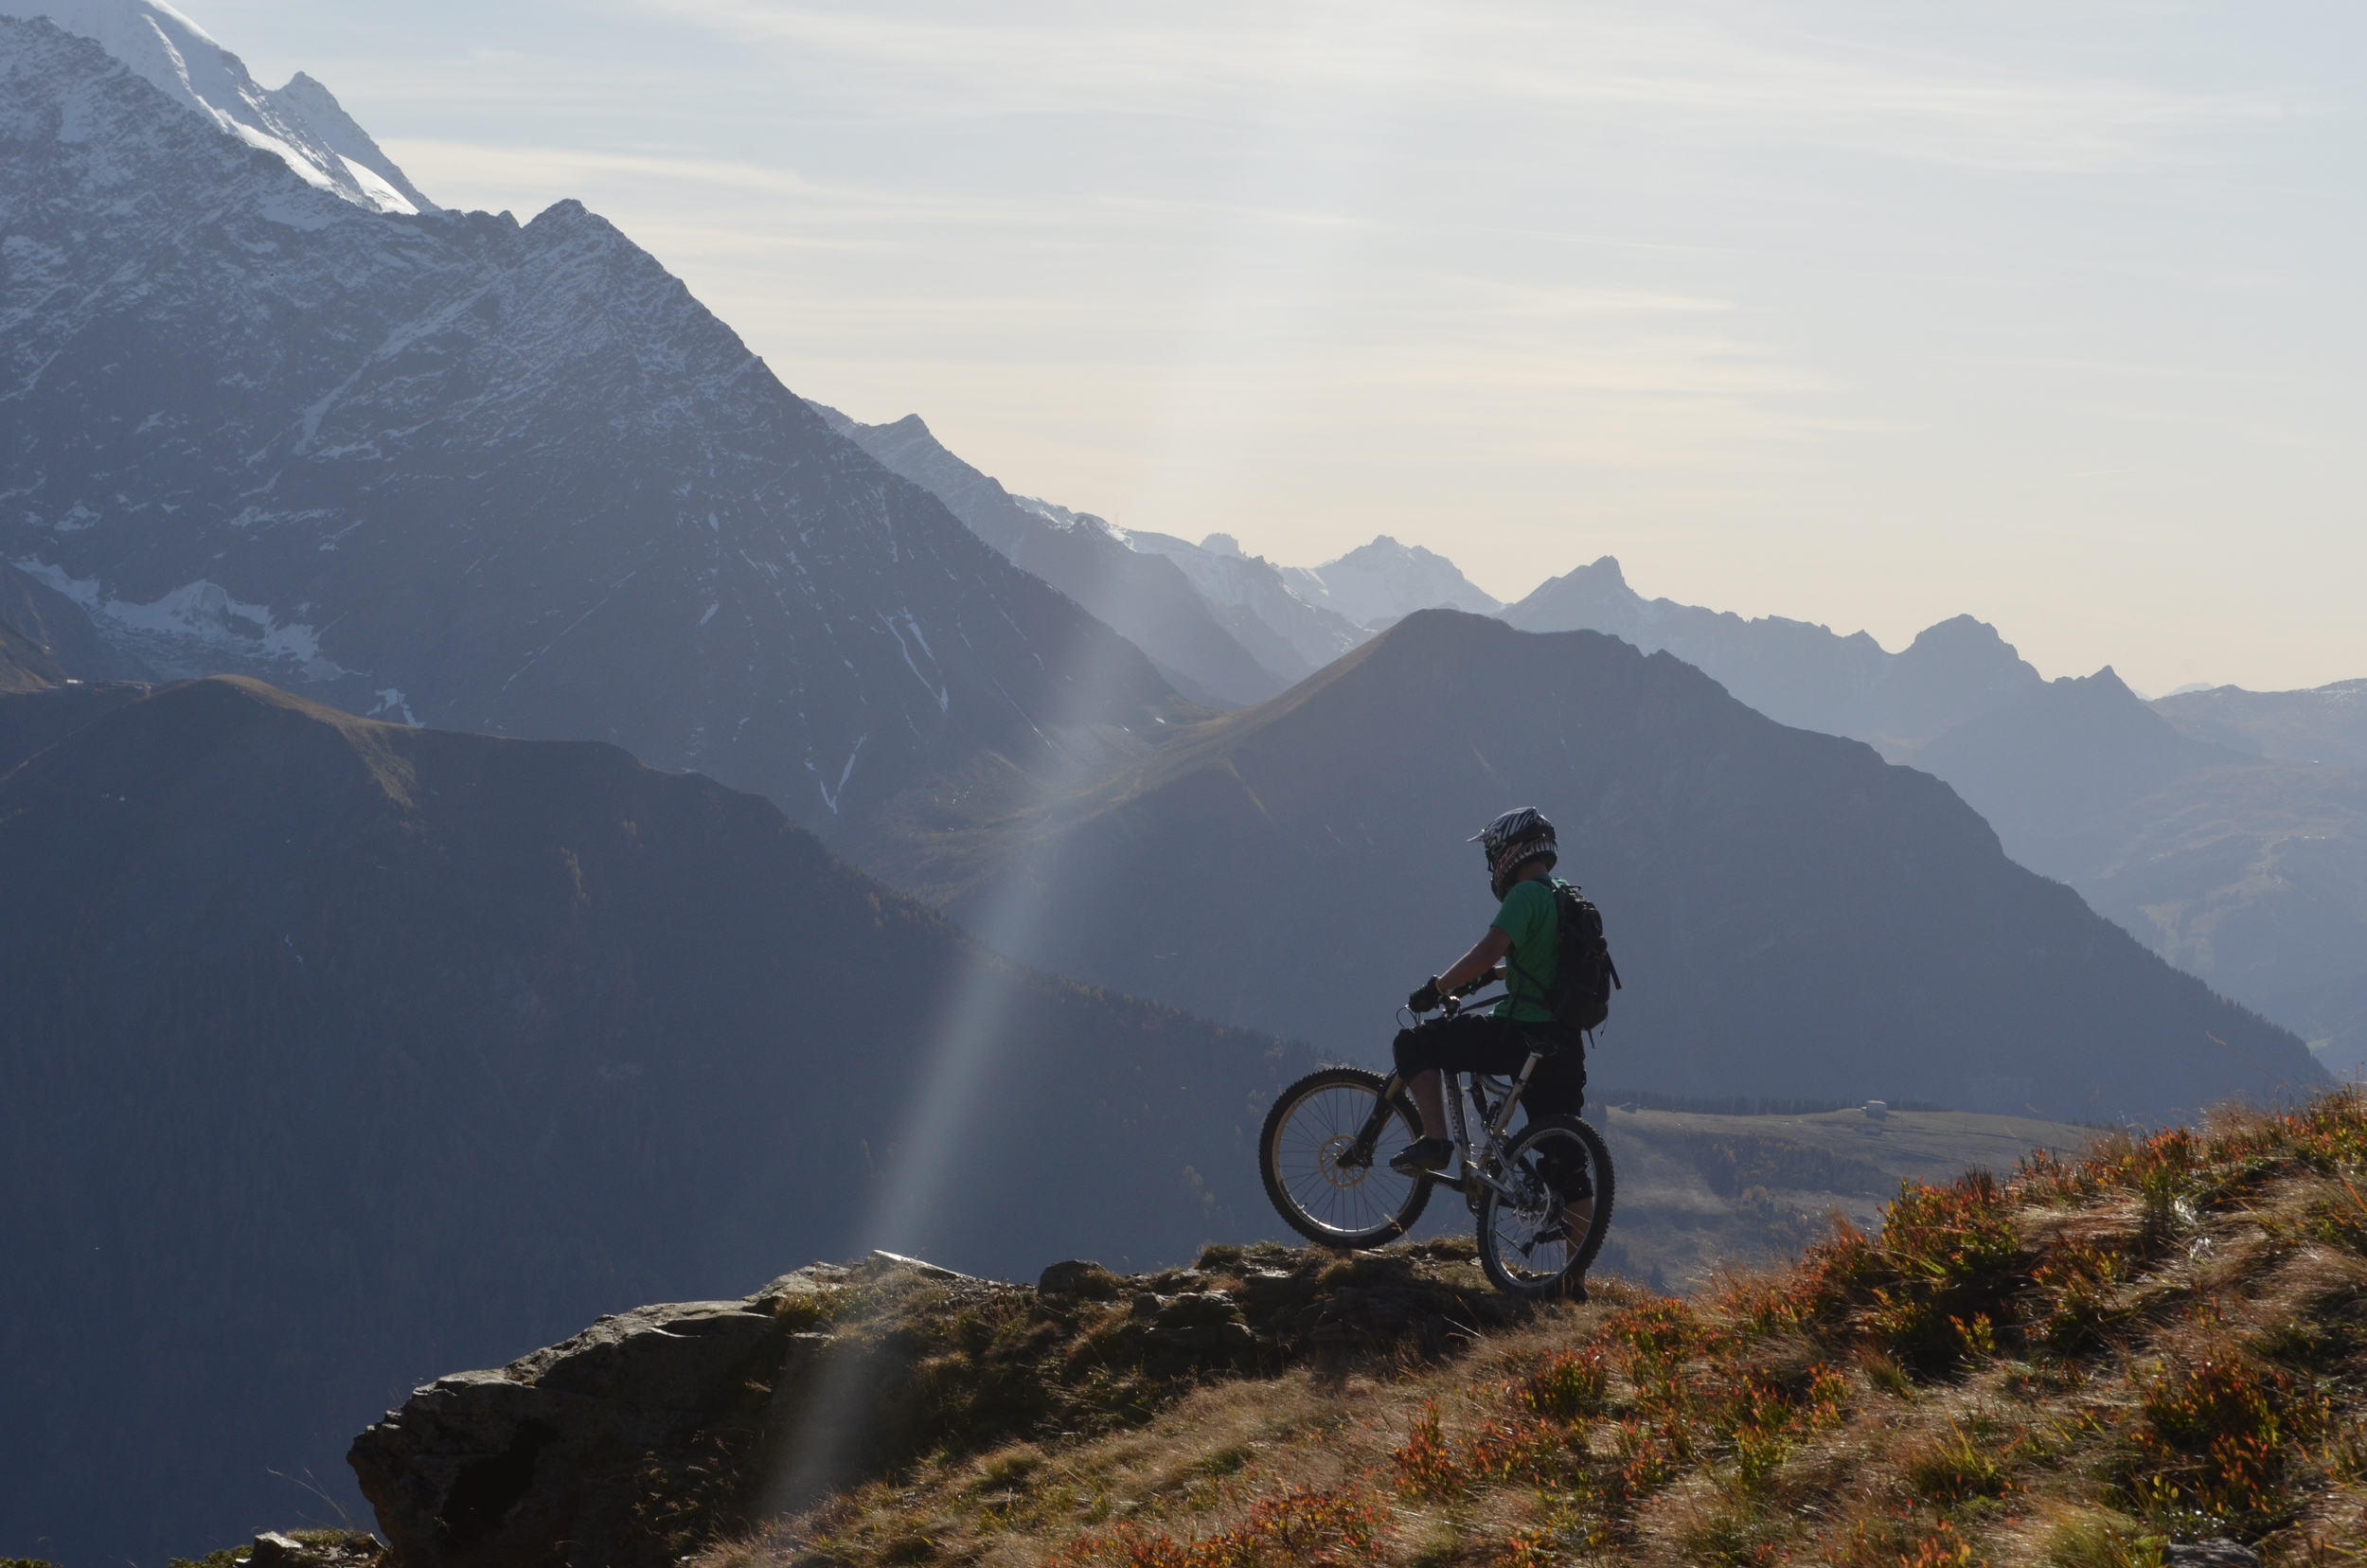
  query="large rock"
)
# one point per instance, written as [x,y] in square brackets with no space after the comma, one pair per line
[576,1444]
[651,1432]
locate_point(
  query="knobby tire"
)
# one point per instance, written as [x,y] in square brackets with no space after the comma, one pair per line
[1500,1229]
[1331,1206]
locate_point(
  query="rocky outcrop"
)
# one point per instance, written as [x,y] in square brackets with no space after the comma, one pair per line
[657,1429]
[314,1549]
[569,1445]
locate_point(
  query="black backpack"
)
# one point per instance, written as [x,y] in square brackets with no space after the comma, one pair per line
[1584,976]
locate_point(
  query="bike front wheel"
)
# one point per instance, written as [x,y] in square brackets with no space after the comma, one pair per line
[1527,1241]
[1323,1185]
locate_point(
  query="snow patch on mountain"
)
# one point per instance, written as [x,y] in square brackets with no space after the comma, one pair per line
[391,700]
[301,124]
[201,612]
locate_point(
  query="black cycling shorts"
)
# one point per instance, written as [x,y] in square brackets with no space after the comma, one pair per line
[1478,1042]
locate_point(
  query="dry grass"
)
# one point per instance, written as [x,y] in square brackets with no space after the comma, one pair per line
[2077,1365]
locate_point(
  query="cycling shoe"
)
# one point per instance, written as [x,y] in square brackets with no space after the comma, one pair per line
[1420,1158]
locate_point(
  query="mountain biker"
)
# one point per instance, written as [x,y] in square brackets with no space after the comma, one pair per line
[1522,854]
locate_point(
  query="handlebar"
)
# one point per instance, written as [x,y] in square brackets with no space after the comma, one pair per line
[1455,1002]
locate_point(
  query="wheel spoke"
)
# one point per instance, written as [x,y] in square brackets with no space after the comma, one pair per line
[1304,1141]
[1524,1238]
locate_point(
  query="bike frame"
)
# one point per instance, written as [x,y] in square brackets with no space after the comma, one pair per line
[1472,1170]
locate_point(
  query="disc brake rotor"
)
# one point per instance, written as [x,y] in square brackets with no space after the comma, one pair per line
[1328,1161]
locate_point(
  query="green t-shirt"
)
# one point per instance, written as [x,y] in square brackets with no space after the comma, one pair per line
[1533,920]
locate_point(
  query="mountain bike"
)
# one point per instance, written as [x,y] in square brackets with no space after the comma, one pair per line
[1325,1148]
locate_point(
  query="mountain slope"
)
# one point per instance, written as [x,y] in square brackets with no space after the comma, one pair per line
[1795,672]
[1794,917]
[2053,772]
[448,469]
[46,638]
[2248,871]
[2148,1357]
[32,721]
[2326,724]
[1144,597]
[338,1052]
[1382,582]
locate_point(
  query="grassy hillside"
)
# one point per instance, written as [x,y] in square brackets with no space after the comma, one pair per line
[2083,1362]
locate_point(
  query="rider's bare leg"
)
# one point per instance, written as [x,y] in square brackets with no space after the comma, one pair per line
[1576,1216]
[1430,1098]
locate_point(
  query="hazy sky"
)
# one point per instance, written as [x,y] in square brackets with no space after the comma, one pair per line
[1861,313]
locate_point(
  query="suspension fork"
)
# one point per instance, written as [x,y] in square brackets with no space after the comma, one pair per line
[1368,1137]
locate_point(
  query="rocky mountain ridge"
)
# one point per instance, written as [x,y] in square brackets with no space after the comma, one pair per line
[1794,671]
[301,124]
[1207,612]
[459,470]
[1252,599]
[1145,598]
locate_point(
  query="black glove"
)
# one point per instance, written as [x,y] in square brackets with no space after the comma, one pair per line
[1426,999]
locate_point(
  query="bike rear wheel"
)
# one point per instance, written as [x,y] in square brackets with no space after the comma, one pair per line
[1524,1242]
[1307,1154]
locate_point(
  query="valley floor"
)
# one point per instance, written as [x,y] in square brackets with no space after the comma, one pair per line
[1702,1192]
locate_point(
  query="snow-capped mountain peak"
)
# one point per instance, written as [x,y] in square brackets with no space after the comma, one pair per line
[1378,584]
[301,123]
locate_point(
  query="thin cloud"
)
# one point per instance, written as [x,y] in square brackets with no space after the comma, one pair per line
[1700,72]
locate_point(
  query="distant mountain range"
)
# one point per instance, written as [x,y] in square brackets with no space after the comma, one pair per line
[2196,823]
[1795,671]
[1146,598]
[448,469]
[1254,600]
[1378,584]
[336,1053]
[1793,916]
[2327,724]
[1272,626]
[2248,870]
